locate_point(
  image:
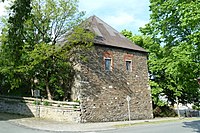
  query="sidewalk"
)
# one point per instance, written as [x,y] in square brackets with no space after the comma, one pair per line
[49,125]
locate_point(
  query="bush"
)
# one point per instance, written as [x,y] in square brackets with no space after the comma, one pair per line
[164,111]
[36,102]
[77,101]
[195,107]
[74,106]
[46,103]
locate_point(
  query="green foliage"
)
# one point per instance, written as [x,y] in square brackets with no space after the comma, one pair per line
[75,107]
[164,111]
[12,43]
[175,26]
[156,92]
[46,103]
[195,107]
[77,101]
[41,40]
[172,73]
[37,102]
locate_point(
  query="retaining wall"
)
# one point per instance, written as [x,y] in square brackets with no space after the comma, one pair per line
[59,111]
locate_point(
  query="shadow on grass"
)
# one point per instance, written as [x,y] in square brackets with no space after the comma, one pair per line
[195,125]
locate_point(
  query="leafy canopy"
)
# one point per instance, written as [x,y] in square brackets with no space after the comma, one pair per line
[175,25]
[39,41]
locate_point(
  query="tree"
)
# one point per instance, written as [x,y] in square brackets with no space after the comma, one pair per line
[52,22]
[51,37]
[12,43]
[175,25]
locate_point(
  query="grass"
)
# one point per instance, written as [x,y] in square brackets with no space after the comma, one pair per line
[156,122]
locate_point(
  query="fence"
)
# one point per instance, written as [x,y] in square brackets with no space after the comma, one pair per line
[189,113]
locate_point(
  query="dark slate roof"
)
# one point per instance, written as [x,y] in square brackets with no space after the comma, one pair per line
[106,35]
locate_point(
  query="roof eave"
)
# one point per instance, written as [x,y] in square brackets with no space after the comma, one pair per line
[106,45]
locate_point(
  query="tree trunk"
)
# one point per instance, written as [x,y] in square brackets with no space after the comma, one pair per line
[32,89]
[49,96]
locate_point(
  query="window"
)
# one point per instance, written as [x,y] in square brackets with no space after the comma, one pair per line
[108,61]
[128,65]
[108,64]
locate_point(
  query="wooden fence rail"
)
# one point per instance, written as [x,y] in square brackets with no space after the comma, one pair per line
[63,104]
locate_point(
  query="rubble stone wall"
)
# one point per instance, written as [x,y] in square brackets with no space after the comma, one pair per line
[103,94]
[47,112]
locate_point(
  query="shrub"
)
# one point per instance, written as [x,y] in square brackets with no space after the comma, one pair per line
[37,102]
[74,106]
[195,107]
[77,101]
[164,111]
[46,103]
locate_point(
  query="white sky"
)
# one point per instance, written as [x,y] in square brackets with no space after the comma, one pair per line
[2,9]
[120,14]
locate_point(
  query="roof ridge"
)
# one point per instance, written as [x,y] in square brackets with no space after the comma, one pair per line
[107,35]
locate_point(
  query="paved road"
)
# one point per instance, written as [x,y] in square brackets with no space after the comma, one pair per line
[170,127]
[9,127]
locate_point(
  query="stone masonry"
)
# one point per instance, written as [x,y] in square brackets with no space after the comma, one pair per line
[28,109]
[102,93]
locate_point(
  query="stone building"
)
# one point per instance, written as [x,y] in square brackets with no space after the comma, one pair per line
[116,68]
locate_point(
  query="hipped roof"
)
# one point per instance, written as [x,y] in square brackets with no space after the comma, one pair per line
[108,36]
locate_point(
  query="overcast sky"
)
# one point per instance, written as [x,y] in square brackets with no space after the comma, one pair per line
[120,14]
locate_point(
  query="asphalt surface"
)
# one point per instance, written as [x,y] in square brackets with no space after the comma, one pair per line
[170,127]
[19,124]
[9,127]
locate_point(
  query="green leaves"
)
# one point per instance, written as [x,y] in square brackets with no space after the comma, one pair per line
[175,25]
[40,53]
[40,40]
[53,19]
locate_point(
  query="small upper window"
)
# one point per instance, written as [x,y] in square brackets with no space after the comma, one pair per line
[108,64]
[129,65]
